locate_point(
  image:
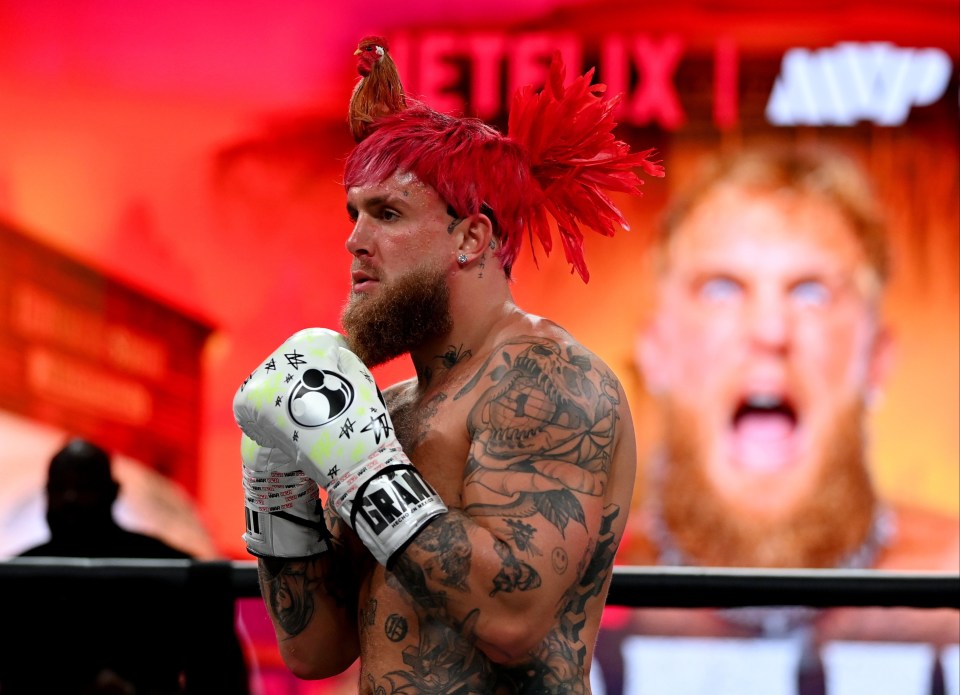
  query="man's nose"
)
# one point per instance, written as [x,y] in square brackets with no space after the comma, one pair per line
[358,243]
[769,322]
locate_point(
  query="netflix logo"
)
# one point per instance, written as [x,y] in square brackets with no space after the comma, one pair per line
[665,84]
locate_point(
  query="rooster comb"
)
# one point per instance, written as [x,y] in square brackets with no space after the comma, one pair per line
[556,166]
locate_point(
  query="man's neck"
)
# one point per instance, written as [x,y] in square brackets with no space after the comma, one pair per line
[477,321]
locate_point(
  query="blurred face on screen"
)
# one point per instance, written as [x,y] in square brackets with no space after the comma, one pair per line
[763,350]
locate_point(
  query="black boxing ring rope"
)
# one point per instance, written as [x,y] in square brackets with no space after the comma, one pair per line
[632,586]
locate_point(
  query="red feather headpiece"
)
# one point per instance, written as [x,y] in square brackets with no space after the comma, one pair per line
[574,159]
[559,160]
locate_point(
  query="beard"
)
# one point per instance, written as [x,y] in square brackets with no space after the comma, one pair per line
[820,530]
[399,318]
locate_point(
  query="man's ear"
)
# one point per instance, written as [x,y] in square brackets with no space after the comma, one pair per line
[476,234]
[648,355]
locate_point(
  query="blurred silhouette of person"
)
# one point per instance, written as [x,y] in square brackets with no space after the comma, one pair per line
[106,635]
[765,351]
[80,493]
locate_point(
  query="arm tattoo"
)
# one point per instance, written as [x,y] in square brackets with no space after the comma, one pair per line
[514,575]
[287,591]
[543,431]
[412,578]
[446,539]
[444,661]
[521,534]
[289,588]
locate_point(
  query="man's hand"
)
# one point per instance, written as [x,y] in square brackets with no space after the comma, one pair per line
[283,508]
[314,400]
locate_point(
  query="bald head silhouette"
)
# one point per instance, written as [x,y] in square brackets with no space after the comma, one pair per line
[80,490]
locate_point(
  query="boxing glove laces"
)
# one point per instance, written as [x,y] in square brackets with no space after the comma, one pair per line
[317,403]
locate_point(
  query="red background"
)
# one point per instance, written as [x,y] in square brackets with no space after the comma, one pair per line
[112,115]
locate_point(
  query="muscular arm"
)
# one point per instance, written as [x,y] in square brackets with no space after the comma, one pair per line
[312,604]
[532,536]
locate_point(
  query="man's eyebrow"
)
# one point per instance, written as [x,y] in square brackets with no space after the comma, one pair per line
[377,201]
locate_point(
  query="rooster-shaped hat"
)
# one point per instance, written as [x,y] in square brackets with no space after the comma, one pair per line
[559,158]
[379,92]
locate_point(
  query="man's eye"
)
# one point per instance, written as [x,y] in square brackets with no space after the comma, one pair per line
[388,215]
[811,293]
[720,289]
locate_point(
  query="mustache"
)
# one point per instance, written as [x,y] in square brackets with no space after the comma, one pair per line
[364,267]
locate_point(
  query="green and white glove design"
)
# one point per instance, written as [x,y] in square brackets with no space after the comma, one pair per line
[316,402]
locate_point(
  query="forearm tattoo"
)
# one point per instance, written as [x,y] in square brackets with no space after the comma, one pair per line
[445,661]
[288,591]
[446,539]
[291,588]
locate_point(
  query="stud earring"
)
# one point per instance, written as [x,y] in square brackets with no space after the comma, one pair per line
[462,259]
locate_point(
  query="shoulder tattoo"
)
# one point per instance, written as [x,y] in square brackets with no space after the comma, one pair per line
[549,411]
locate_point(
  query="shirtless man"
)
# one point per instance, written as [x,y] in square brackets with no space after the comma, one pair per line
[472,528]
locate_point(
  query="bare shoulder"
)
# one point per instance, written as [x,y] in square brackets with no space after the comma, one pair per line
[538,348]
[540,396]
[553,375]
[923,539]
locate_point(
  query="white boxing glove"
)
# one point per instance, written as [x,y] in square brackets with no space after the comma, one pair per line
[313,399]
[283,510]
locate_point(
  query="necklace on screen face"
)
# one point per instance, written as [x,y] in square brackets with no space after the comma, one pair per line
[778,621]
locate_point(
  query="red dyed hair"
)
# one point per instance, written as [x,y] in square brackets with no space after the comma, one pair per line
[558,161]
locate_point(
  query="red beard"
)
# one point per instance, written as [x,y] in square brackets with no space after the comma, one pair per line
[819,531]
[400,317]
